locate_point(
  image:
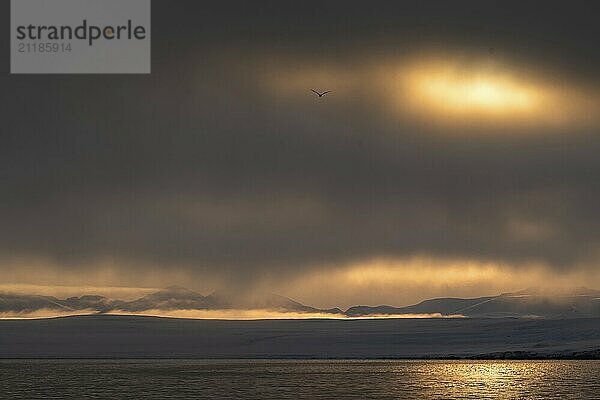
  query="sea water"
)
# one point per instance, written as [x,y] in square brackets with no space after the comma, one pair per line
[295,379]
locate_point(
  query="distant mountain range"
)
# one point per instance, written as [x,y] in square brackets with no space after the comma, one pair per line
[530,303]
[575,303]
[169,299]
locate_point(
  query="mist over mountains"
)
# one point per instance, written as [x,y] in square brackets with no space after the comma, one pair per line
[169,299]
[529,303]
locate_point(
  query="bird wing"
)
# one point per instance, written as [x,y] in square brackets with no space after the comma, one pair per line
[327,91]
[314,91]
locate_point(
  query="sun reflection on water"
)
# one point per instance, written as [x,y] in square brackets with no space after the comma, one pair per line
[488,379]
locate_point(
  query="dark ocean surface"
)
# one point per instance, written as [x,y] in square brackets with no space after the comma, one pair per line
[294,379]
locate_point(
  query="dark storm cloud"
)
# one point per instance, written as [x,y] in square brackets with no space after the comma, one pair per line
[198,165]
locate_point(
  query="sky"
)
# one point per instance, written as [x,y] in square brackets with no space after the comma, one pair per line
[455,156]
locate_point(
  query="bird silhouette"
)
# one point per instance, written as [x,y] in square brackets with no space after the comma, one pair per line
[320,94]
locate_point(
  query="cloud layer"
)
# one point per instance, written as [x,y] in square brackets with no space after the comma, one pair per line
[221,168]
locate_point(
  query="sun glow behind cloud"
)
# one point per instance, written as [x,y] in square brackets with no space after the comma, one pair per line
[469,91]
[477,93]
[445,90]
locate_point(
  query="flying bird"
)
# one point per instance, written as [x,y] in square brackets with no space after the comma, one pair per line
[320,94]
